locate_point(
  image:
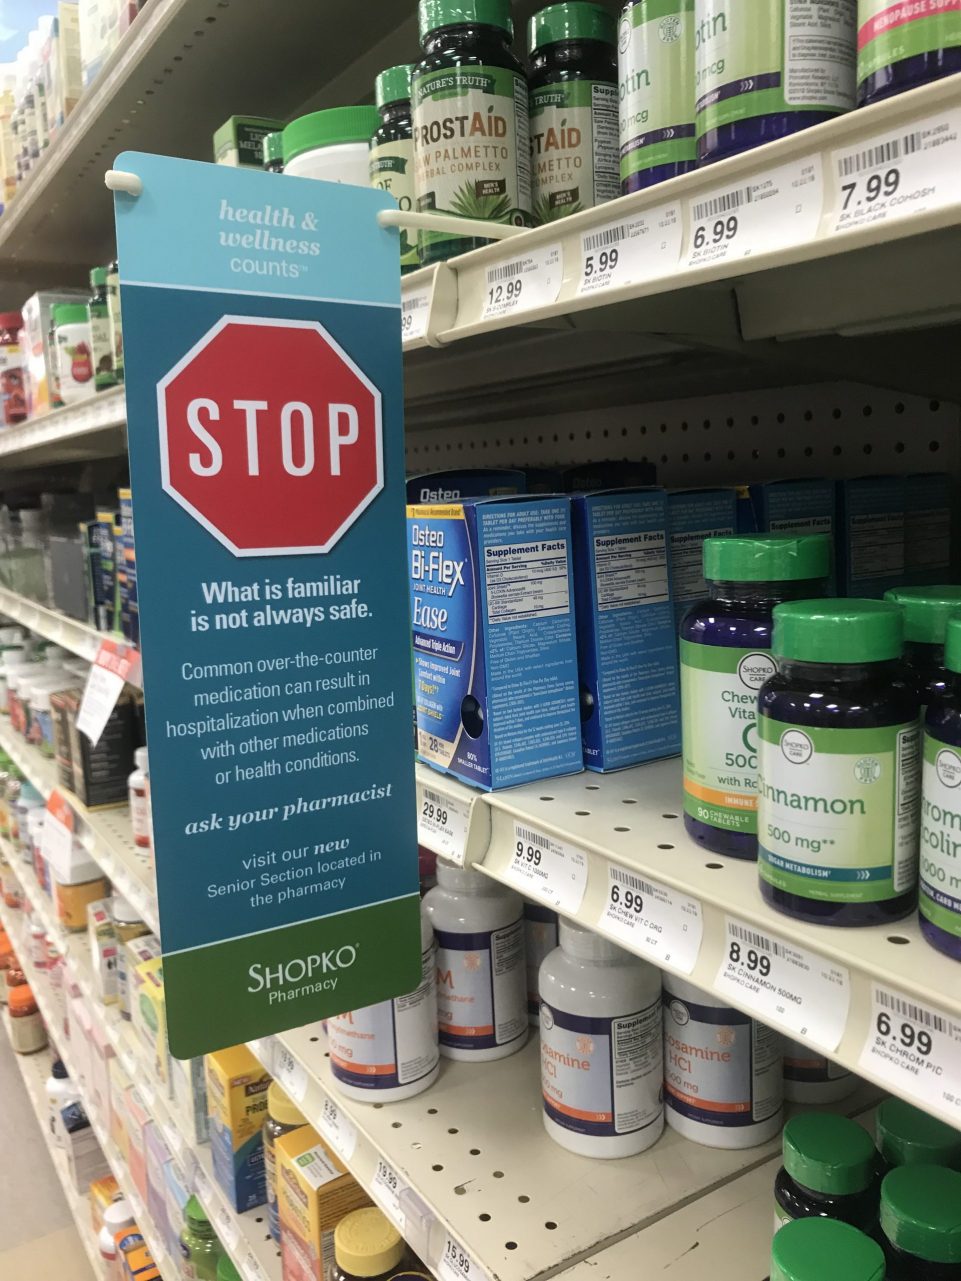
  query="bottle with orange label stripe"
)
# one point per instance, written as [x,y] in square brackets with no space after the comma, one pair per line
[725,655]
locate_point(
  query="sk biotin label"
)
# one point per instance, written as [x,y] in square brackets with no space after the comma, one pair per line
[655,45]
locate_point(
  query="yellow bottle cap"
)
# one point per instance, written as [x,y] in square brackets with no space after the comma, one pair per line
[366,1243]
[282,1108]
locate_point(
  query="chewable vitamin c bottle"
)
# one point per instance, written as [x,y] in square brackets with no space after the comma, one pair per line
[768,68]
[825,1250]
[923,43]
[926,611]
[470,121]
[921,1223]
[573,101]
[655,74]
[830,1171]
[939,902]
[908,1136]
[725,659]
[839,766]
[392,151]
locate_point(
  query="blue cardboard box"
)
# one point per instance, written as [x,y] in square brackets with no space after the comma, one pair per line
[927,529]
[694,515]
[793,507]
[870,539]
[468,482]
[495,654]
[630,702]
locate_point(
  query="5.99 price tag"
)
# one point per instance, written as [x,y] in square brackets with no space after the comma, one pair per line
[529,280]
[915,1049]
[442,824]
[631,250]
[549,870]
[651,919]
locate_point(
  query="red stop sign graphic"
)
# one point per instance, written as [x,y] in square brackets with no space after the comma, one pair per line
[270,436]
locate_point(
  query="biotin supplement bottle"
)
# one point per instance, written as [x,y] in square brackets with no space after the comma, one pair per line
[830,1171]
[903,45]
[939,905]
[655,83]
[825,1250]
[392,151]
[839,766]
[723,1083]
[768,68]
[601,1062]
[481,970]
[921,1223]
[470,121]
[810,1077]
[926,611]
[907,1136]
[725,659]
[573,108]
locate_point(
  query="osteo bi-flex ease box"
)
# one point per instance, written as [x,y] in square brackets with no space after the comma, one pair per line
[870,541]
[495,655]
[805,506]
[469,482]
[625,628]
[693,516]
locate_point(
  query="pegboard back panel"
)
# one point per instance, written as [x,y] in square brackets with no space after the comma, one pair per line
[821,429]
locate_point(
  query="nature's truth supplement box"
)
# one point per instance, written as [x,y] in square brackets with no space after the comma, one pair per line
[630,704]
[791,507]
[471,482]
[692,516]
[314,1192]
[927,529]
[495,654]
[870,538]
[239,141]
[237,1099]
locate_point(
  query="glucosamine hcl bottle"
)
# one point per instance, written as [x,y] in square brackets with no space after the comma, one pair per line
[725,659]
[481,969]
[830,1171]
[540,939]
[825,1250]
[810,1077]
[926,611]
[601,1063]
[903,45]
[723,1083]
[388,1051]
[839,766]
[939,904]
[655,74]
[768,68]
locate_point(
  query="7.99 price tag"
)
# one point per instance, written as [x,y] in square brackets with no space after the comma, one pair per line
[915,1049]
[549,870]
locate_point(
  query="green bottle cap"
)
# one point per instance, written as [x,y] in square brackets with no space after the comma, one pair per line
[952,645]
[273,146]
[838,631]
[908,1136]
[195,1215]
[828,1154]
[98,277]
[70,313]
[921,1212]
[434,14]
[328,128]
[226,1270]
[767,558]
[824,1250]
[393,85]
[575,21]
[926,611]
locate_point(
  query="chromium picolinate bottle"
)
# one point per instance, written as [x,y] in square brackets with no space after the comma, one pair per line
[839,766]
[768,68]
[907,1136]
[470,121]
[392,151]
[921,1223]
[926,612]
[824,1250]
[725,659]
[655,72]
[924,43]
[830,1171]
[939,904]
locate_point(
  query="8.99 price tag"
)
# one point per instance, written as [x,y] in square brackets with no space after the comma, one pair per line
[549,870]
[915,1049]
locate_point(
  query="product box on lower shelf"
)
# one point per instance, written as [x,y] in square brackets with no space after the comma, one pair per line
[314,1191]
[237,1099]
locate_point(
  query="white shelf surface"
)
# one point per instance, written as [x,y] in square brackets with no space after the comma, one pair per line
[79,638]
[94,428]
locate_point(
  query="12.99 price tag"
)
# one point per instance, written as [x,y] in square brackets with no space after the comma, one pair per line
[549,870]
[786,986]
[651,919]
[442,823]
[631,250]
[916,1050]
[529,280]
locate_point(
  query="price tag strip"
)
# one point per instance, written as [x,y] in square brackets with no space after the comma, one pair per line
[549,870]
[631,250]
[56,840]
[442,825]
[387,1188]
[291,1075]
[115,664]
[414,312]
[777,208]
[786,986]
[228,1229]
[652,920]
[894,175]
[528,280]
[338,1129]
[915,1048]
[457,1265]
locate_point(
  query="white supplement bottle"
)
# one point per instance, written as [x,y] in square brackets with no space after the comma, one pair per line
[601,1056]
[388,1051]
[540,939]
[137,796]
[723,1082]
[60,1091]
[117,1217]
[481,972]
[810,1077]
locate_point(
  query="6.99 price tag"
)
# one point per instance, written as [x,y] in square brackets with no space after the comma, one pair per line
[915,1049]
[549,870]
[651,919]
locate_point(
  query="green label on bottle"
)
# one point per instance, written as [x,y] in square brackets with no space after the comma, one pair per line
[888,33]
[573,147]
[838,810]
[656,87]
[392,169]
[940,899]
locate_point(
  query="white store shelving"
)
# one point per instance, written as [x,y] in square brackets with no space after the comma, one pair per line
[78,637]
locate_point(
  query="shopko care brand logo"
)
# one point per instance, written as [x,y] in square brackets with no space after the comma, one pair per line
[319,968]
[270,436]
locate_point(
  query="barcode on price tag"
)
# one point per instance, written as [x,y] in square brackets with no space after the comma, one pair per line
[532,279]
[56,837]
[202,1188]
[457,1265]
[414,310]
[897,174]
[291,1075]
[442,823]
[915,1049]
[651,919]
[252,1271]
[635,249]
[779,207]
[228,1229]
[338,1129]
[115,663]
[387,1188]
[548,869]
[786,986]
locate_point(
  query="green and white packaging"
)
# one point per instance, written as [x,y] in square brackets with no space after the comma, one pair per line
[655,45]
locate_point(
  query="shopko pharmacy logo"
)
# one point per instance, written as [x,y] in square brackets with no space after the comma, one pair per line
[270,436]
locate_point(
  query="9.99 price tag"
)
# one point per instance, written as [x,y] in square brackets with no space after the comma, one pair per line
[915,1049]
[529,280]
[457,1265]
[548,870]
[442,824]
[651,919]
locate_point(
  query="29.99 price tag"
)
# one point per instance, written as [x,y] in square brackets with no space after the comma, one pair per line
[528,280]
[442,824]
[457,1265]
[339,1131]
[786,986]
[387,1189]
[548,870]
[414,310]
[651,919]
[291,1075]
[915,1049]
[631,250]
